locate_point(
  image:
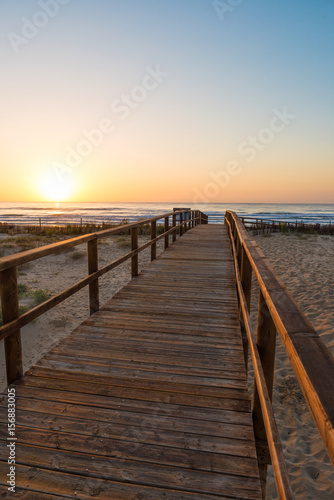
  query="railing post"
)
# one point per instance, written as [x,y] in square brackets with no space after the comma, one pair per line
[266,341]
[246,281]
[174,224]
[166,229]
[153,236]
[185,221]
[134,246]
[234,230]
[181,220]
[11,311]
[94,303]
[239,250]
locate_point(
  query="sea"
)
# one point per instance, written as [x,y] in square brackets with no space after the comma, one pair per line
[97,213]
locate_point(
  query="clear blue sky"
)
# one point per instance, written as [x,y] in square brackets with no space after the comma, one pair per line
[226,76]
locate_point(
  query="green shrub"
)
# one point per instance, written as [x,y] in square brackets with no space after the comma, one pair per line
[40,296]
[123,241]
[22,289]
[77,255]
[23,309]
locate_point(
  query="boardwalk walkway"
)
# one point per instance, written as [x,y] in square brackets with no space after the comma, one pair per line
[147,399]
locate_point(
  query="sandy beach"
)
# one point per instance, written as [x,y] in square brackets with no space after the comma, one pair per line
[305,264]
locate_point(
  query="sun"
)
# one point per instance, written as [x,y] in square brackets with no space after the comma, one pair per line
[55,189]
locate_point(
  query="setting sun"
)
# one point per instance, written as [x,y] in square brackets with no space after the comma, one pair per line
[52,188]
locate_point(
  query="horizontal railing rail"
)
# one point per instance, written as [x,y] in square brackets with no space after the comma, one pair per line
[311,360]
[181,221]
[258,223]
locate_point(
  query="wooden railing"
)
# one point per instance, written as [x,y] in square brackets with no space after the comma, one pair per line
[284,226]
[181,221]
[312,362]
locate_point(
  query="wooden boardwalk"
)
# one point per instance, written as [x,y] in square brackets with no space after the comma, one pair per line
[147,399]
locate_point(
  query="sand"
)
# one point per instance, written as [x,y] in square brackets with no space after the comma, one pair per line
[305,265]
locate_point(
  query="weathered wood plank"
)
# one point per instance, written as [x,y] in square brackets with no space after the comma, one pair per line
[43,482]
[241,444]
[148,474]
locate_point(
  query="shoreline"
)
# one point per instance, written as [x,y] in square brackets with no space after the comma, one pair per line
[114,213]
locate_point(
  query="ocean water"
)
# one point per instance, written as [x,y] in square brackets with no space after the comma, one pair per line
[72,213]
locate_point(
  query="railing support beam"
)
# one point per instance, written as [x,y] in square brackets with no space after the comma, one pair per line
[166,229]
[10,312]
[93,266]
[134,246]
[153,236]
[246,281]
[174,224]
[266,342]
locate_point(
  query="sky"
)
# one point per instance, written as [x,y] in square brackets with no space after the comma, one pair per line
[167,100]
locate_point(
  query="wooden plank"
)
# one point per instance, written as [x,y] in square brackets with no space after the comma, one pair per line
[156,475]
[231,457]
[223,390]
[105,332]
[166,371]
[44,481]
[140,430]
[212,423]
[195,361]
[143,346]
[134,377]
[227,400]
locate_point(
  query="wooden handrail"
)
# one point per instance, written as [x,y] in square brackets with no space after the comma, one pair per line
[311,360]
[36,253]
[13,322]
[264,223]
[274,443]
